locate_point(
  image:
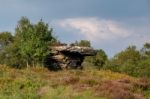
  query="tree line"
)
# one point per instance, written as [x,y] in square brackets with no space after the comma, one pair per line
[29,46]
[129,61]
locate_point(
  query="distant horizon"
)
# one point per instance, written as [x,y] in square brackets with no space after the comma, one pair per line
[108,25]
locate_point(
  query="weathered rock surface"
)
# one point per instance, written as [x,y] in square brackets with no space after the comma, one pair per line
[65,57]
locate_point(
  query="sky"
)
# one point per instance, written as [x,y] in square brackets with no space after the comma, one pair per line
[111,25]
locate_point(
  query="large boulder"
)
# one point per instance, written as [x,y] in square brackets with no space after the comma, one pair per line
[64,57]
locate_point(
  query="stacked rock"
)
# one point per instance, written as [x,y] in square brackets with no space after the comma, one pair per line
[65,57]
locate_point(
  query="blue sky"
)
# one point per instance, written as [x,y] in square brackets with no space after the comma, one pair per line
[111,25]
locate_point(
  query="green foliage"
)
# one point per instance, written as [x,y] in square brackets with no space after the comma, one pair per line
[146,50]
[144,68]
[11,56]
[83,43]
[131,61]
[30,44]
[129,54]
[98,60]
[5,39]
[112,65]
[33,40]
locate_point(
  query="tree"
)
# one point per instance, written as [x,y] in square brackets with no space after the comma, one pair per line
[144,67]
[12,57]
[29,45]
[33,41]
[129,54]
[5,39]
[126,61]
[146,50]
[144,64]
[99,59]
[24,31]
[83,43]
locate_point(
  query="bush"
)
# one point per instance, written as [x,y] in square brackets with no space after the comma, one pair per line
[144,68]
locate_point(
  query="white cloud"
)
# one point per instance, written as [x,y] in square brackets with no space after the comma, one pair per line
[112,36]
[95,29]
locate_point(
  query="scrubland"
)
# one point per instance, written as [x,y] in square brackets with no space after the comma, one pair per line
[40,83]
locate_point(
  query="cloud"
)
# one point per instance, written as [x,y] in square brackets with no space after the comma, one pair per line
[110,35]
[95,29]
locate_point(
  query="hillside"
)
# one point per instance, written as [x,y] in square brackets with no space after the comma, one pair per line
[39,83]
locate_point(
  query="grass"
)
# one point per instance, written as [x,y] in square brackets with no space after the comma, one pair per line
[39,83]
